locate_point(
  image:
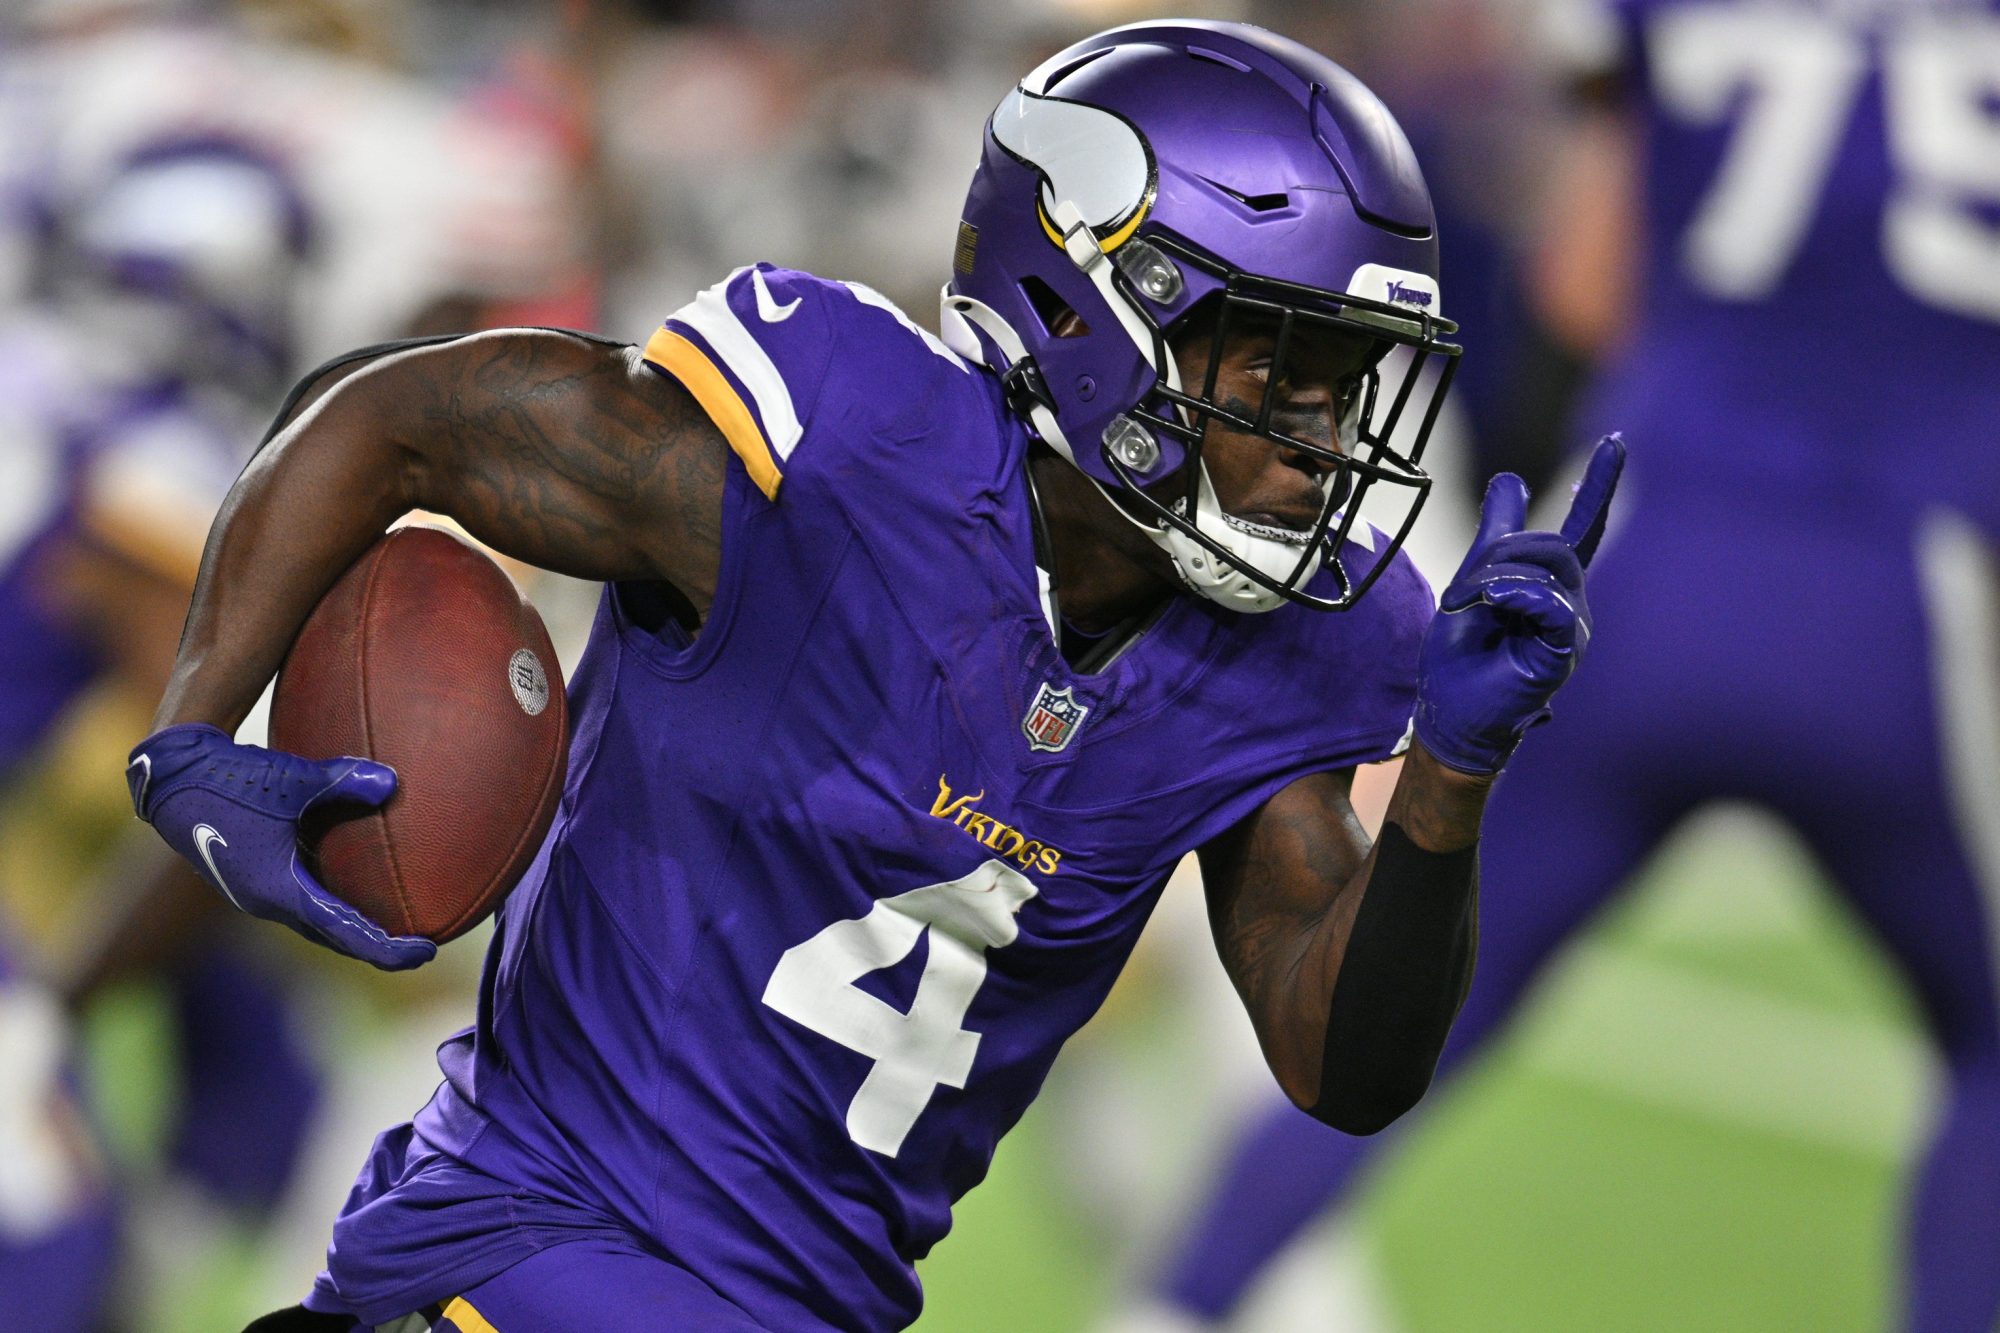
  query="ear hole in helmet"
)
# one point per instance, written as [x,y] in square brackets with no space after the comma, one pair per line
[1058,319]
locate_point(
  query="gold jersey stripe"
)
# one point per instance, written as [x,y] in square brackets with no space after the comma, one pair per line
[469,1320]
[687,363]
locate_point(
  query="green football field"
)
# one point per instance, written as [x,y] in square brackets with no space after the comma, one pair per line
[1700,1123]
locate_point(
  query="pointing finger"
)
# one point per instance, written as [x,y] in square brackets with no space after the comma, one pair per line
[1504,510]
[1584,527]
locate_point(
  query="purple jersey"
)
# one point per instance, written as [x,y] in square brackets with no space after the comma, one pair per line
[1820,313]
[834,881]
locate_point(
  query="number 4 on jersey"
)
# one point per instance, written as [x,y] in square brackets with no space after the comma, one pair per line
[913,1052]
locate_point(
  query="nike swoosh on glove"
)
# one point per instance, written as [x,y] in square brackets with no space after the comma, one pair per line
[233,811]
[1512,623]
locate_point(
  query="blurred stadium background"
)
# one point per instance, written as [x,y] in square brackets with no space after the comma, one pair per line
[1701,1125]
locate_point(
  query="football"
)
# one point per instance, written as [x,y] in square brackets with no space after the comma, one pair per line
[427,658]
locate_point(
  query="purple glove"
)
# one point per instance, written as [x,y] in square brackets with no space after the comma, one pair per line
[233,811]
[1512,622]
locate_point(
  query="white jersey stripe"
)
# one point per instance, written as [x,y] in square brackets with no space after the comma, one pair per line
[1962,602]
[710,316]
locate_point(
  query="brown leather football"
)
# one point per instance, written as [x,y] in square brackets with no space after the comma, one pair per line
[425,657]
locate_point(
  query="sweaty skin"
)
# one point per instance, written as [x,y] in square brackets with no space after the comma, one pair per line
[572,455]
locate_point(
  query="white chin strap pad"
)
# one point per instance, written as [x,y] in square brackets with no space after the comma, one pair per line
[1218,580]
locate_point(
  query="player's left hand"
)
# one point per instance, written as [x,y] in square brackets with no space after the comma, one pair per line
[1512,622]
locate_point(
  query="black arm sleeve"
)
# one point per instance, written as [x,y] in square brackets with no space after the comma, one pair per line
[1404,976]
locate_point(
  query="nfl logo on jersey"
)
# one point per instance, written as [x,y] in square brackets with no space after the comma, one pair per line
[1053,718]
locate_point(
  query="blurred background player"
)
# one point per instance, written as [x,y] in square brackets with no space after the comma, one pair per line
[175,188]
[183,257]
[1799,609]
[58,1212]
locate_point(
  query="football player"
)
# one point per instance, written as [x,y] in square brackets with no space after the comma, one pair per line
[921,664]
[59,1225]
[1818,352]
[182,252]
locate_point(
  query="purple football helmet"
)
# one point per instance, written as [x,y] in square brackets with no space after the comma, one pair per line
[1161,167]
[192,247]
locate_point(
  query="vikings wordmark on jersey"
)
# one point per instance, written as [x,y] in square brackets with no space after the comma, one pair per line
[962,809]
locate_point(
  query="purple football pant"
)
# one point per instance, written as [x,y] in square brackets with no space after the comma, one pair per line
[251,1090]
[1783,661]
[585,1286]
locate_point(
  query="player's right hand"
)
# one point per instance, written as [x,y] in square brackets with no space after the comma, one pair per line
[233,811]
[1512,623]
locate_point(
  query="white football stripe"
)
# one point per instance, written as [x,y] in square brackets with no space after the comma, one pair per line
[710,316]
[1962,604]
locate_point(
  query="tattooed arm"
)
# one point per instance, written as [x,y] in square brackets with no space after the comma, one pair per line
[563,452]
[1352,959]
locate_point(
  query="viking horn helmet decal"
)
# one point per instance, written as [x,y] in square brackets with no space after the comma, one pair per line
[1086,156]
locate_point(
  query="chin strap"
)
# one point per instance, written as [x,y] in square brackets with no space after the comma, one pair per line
[961,320]
[1221,581]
